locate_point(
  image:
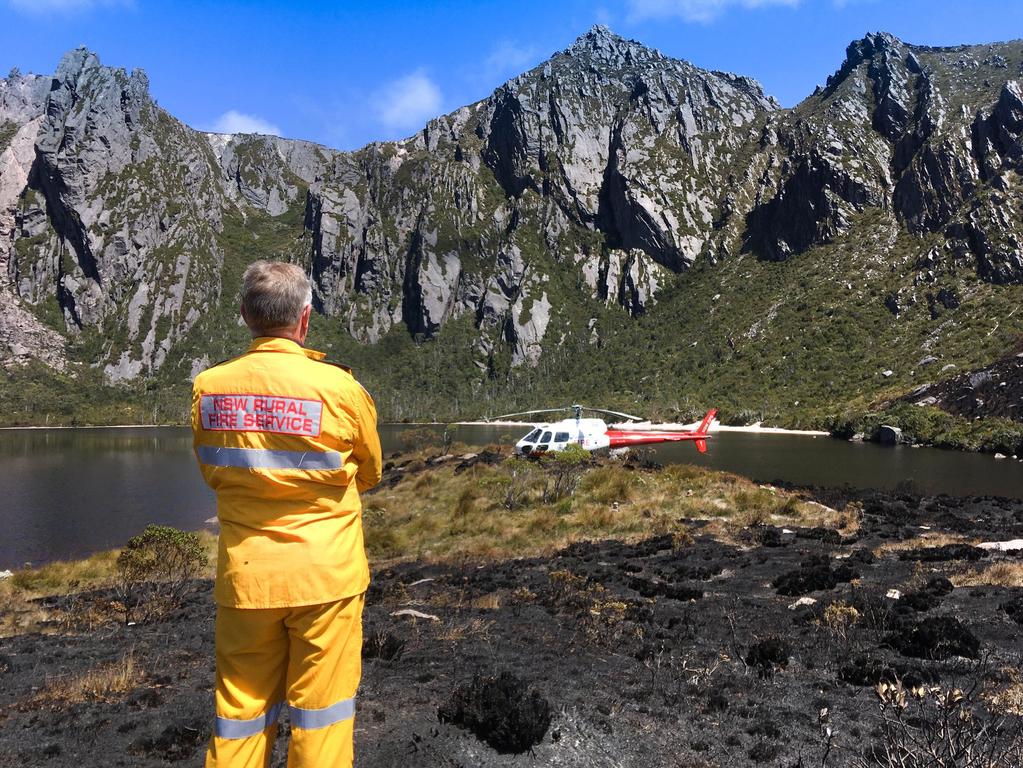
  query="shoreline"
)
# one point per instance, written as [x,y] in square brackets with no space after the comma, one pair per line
[716,426]
[94,426]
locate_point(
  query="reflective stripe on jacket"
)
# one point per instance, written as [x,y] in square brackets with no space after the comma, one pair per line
[287,442]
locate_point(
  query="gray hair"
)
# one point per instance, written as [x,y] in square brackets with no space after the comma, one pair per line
[274,294]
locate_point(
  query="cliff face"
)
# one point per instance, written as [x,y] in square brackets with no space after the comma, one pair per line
[592,181]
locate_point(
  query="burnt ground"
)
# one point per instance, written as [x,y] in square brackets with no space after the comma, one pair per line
[993,391]
[657,653]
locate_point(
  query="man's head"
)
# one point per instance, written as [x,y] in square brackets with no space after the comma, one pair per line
[276,300]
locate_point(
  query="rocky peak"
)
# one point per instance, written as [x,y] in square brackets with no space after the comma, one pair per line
[22,98]
[859,51]
[73,64]
[602,45]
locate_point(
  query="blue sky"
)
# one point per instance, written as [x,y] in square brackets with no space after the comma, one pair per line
[344,74]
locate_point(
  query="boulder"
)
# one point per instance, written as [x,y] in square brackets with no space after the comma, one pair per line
[889,435]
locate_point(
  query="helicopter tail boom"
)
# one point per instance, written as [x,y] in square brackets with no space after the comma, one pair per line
[704,427]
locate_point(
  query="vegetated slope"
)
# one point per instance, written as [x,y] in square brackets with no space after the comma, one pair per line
[614,225]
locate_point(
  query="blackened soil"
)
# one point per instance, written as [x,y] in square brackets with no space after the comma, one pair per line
[986,392]
[814,574]
[604,654]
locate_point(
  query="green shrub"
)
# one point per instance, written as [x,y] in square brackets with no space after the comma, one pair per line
[420,438]
[520,482]
[564,469]
[156,570]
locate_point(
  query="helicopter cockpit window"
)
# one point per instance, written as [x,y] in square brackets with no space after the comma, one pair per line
[546,437]
[561,437]
[532,436]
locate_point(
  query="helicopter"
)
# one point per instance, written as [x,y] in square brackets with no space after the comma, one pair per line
[594,434]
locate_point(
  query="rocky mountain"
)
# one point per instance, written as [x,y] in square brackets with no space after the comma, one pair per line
[614,223]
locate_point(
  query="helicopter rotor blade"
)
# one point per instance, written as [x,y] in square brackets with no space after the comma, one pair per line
[613,413]
[527,413]
[569,408]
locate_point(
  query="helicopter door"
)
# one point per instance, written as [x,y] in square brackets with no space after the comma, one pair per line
[560,441]
[545,442]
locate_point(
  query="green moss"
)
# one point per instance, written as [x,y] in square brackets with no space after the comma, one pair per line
[7,131]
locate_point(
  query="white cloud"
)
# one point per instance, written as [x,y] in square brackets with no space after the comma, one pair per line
[408,102]
[702,11]
[233,121]
[46,7]
[507,58]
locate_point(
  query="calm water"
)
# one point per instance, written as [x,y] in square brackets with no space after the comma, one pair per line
[66,493]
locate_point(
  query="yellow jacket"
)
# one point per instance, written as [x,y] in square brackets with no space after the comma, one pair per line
[287,442]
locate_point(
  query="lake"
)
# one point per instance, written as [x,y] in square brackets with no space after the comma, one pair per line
[69,492]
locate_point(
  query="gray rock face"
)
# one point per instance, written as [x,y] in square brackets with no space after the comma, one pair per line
[22,335]
[267,172]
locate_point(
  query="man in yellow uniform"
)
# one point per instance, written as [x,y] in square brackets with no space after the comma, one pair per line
[287,441]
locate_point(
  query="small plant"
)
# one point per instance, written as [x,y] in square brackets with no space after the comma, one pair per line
[519,482]
[564,469]
[420,438]
[156,569]
[681,537]
[942,726]
[606,621]
[466,503]
[839,618]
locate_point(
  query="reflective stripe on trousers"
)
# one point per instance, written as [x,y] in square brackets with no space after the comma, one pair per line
[228,728]
[263,458]
[307,719]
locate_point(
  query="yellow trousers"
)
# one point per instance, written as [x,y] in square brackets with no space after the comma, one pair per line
[309,658]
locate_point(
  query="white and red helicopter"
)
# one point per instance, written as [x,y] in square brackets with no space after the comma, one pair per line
[594,434]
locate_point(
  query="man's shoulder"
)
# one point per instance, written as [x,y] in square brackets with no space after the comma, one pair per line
[216,368]
[334,364]
[344,375]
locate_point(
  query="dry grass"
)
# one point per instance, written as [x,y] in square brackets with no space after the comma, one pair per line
[491,602]
[1007,698]
[925,540]
[477,629]
[1004,574]
[464,516]
[64,575]
[20,614]
[106,682]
